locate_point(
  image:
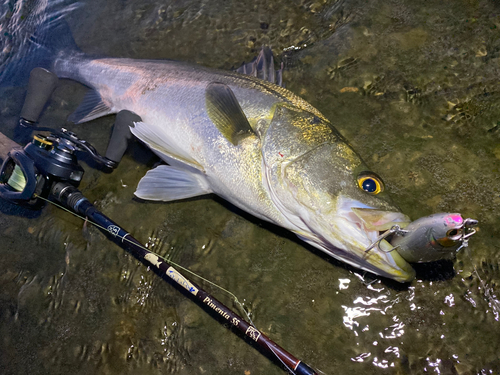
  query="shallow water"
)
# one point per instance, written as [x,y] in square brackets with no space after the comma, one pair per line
[413,86]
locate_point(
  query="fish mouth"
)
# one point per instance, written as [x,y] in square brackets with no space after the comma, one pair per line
[381,258]
[359,227]
[373,223]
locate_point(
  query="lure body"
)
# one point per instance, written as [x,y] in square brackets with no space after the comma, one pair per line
[435,237]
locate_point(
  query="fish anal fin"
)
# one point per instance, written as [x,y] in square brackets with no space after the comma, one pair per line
[226,113]
[167,183]
[92,107]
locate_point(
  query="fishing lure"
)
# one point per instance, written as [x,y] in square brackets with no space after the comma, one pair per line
[430,238]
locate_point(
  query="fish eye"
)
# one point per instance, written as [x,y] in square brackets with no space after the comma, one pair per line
[370,182]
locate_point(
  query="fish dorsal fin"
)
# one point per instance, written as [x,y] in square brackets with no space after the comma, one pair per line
[92,107]
[262,67]
[225,112]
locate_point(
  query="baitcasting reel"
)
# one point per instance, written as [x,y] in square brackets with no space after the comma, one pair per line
[31,172]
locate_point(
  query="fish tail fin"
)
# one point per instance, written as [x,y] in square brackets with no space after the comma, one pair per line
[51,41]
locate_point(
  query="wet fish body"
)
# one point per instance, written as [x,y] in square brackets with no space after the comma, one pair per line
[253,143]
[170,98]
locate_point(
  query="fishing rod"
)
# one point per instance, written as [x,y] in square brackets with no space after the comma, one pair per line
[47,169]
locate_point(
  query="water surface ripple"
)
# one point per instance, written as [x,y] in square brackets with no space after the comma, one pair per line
[412,84]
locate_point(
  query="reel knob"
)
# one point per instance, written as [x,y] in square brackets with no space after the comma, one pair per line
[121,135]
[40,87]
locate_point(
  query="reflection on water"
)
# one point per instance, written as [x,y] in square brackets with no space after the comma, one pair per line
[412,85]
[364,310]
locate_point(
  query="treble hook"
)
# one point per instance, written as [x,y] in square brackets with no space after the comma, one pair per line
[394,229]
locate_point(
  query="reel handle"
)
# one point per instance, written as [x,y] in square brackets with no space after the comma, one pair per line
[40,87]
[121,135]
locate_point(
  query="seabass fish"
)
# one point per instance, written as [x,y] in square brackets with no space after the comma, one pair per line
[250,141]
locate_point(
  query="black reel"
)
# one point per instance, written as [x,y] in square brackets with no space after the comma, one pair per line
[30,173]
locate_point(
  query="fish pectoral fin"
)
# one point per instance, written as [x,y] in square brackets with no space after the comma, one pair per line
[167,183]
[160,141]
[226,113]
[92,107]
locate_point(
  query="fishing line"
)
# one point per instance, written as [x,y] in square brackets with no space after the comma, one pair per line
[123,238]
[292,371]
